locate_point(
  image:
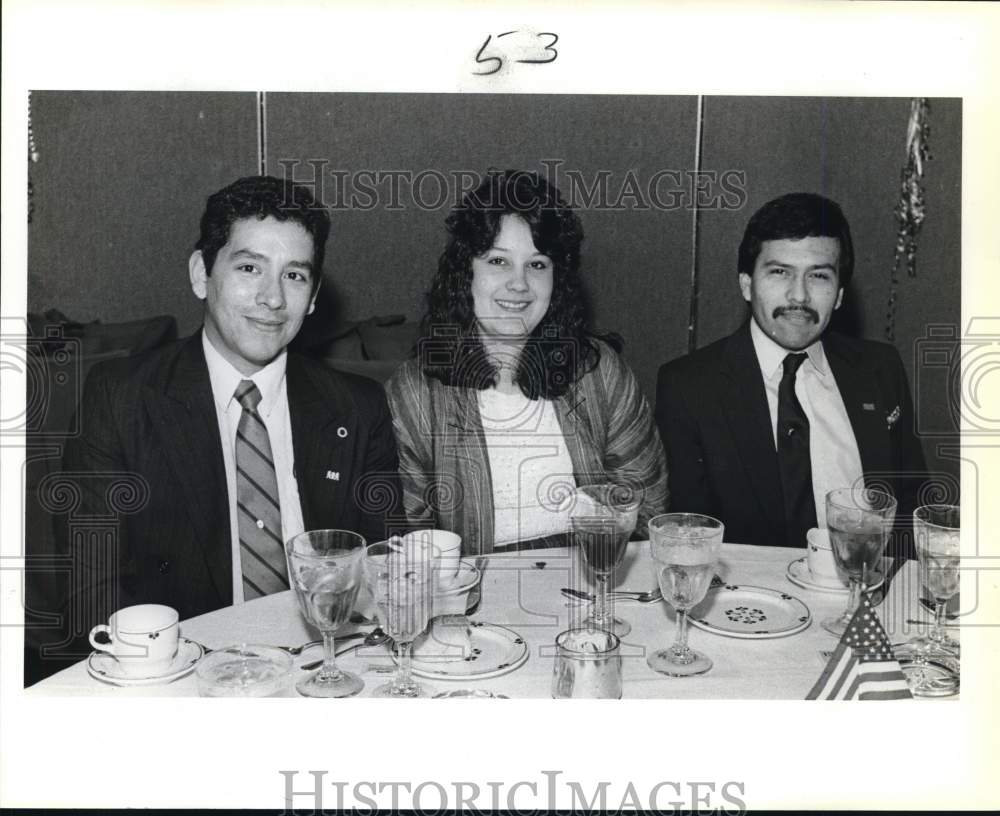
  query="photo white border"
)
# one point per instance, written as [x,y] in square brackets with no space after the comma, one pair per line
[190,752]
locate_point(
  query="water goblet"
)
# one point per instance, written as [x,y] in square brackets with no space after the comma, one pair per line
[859,520]
[602,519]
[401,580]
[929,662]
[685,549]
[325,571]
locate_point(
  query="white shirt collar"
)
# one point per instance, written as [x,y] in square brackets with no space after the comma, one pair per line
[225,378]
[770,355]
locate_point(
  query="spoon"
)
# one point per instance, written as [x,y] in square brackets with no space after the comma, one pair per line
[373,638]
[294,651]
[624,595]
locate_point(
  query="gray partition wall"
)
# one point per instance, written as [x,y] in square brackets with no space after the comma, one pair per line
[122,178]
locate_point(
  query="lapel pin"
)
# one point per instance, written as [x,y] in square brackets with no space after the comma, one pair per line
[342,432]
[893,418]
[868,406]
[333,475]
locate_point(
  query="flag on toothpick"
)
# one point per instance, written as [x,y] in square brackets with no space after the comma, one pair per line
[863,666]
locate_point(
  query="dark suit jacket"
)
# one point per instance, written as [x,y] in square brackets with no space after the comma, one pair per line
[711,408]
[149,459]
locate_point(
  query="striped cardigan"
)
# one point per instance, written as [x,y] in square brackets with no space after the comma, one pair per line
[444,463]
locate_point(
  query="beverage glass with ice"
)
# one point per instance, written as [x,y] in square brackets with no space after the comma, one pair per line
[859,520]
[325,571]
[685,549]
[401,580]
[937,530]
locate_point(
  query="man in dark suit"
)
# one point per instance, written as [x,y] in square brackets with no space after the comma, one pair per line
[211,452]
[760,425]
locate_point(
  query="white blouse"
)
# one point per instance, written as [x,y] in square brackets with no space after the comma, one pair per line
[530,465]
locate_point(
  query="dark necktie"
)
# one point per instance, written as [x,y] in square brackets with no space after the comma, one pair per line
[793,457]
[262,554]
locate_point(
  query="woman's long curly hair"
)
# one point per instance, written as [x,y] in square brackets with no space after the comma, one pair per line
[559,350]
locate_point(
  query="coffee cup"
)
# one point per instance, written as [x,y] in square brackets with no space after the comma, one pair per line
[820,559]
[143,639]
[447,547]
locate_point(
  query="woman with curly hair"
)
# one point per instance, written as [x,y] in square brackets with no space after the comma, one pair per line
[512,401]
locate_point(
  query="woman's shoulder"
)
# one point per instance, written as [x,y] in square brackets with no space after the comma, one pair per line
[408,376]
[611,366]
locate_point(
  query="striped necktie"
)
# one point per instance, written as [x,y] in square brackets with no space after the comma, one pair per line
[262,554]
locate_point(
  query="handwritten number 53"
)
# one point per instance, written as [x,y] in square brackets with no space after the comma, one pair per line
[535,54]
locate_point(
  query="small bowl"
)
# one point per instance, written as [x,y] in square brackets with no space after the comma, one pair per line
[452,598]
[244,670]
[447,636]
[470,694]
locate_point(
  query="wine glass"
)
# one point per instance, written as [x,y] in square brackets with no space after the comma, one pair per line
[685,548]
[859,520]
[937,531]
[603,517]
[401,580]
[325,570]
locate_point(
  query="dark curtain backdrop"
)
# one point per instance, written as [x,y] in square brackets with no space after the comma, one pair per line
[122,180]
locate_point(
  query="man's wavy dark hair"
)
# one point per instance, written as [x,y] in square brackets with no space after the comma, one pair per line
[797,216]
[261,197]
[560,349]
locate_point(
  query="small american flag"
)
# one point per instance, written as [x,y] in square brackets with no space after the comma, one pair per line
[863,666]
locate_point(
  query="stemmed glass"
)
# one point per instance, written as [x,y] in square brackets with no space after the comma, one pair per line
[603,517]
[937,530]
[325,570]
[859,520]
[685,549]
[401,580]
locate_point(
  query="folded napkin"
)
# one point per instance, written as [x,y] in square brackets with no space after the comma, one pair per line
[863,666]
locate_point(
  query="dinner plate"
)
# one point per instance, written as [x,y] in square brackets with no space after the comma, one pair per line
[750,612]
[798,573]
[493,650]
[102,666]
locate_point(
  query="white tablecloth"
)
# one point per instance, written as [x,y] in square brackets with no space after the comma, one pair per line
[521,591]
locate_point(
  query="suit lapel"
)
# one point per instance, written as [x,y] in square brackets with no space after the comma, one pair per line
[185,415]
[862,398]
[745,407]
[324,433]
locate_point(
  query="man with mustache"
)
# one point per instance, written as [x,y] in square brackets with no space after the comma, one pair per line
[760,425]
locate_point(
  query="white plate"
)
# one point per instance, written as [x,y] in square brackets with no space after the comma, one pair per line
[750,612]
[493,650]
[102,666]
[798,573]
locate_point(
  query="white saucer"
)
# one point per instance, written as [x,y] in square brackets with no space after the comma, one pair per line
[493,650]
[798,573]
[102,666]
[750,612]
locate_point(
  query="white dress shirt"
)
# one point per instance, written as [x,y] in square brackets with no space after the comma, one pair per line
[273,409]
[833,450]
[530,466]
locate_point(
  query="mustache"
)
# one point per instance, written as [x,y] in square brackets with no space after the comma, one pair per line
[783,310]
